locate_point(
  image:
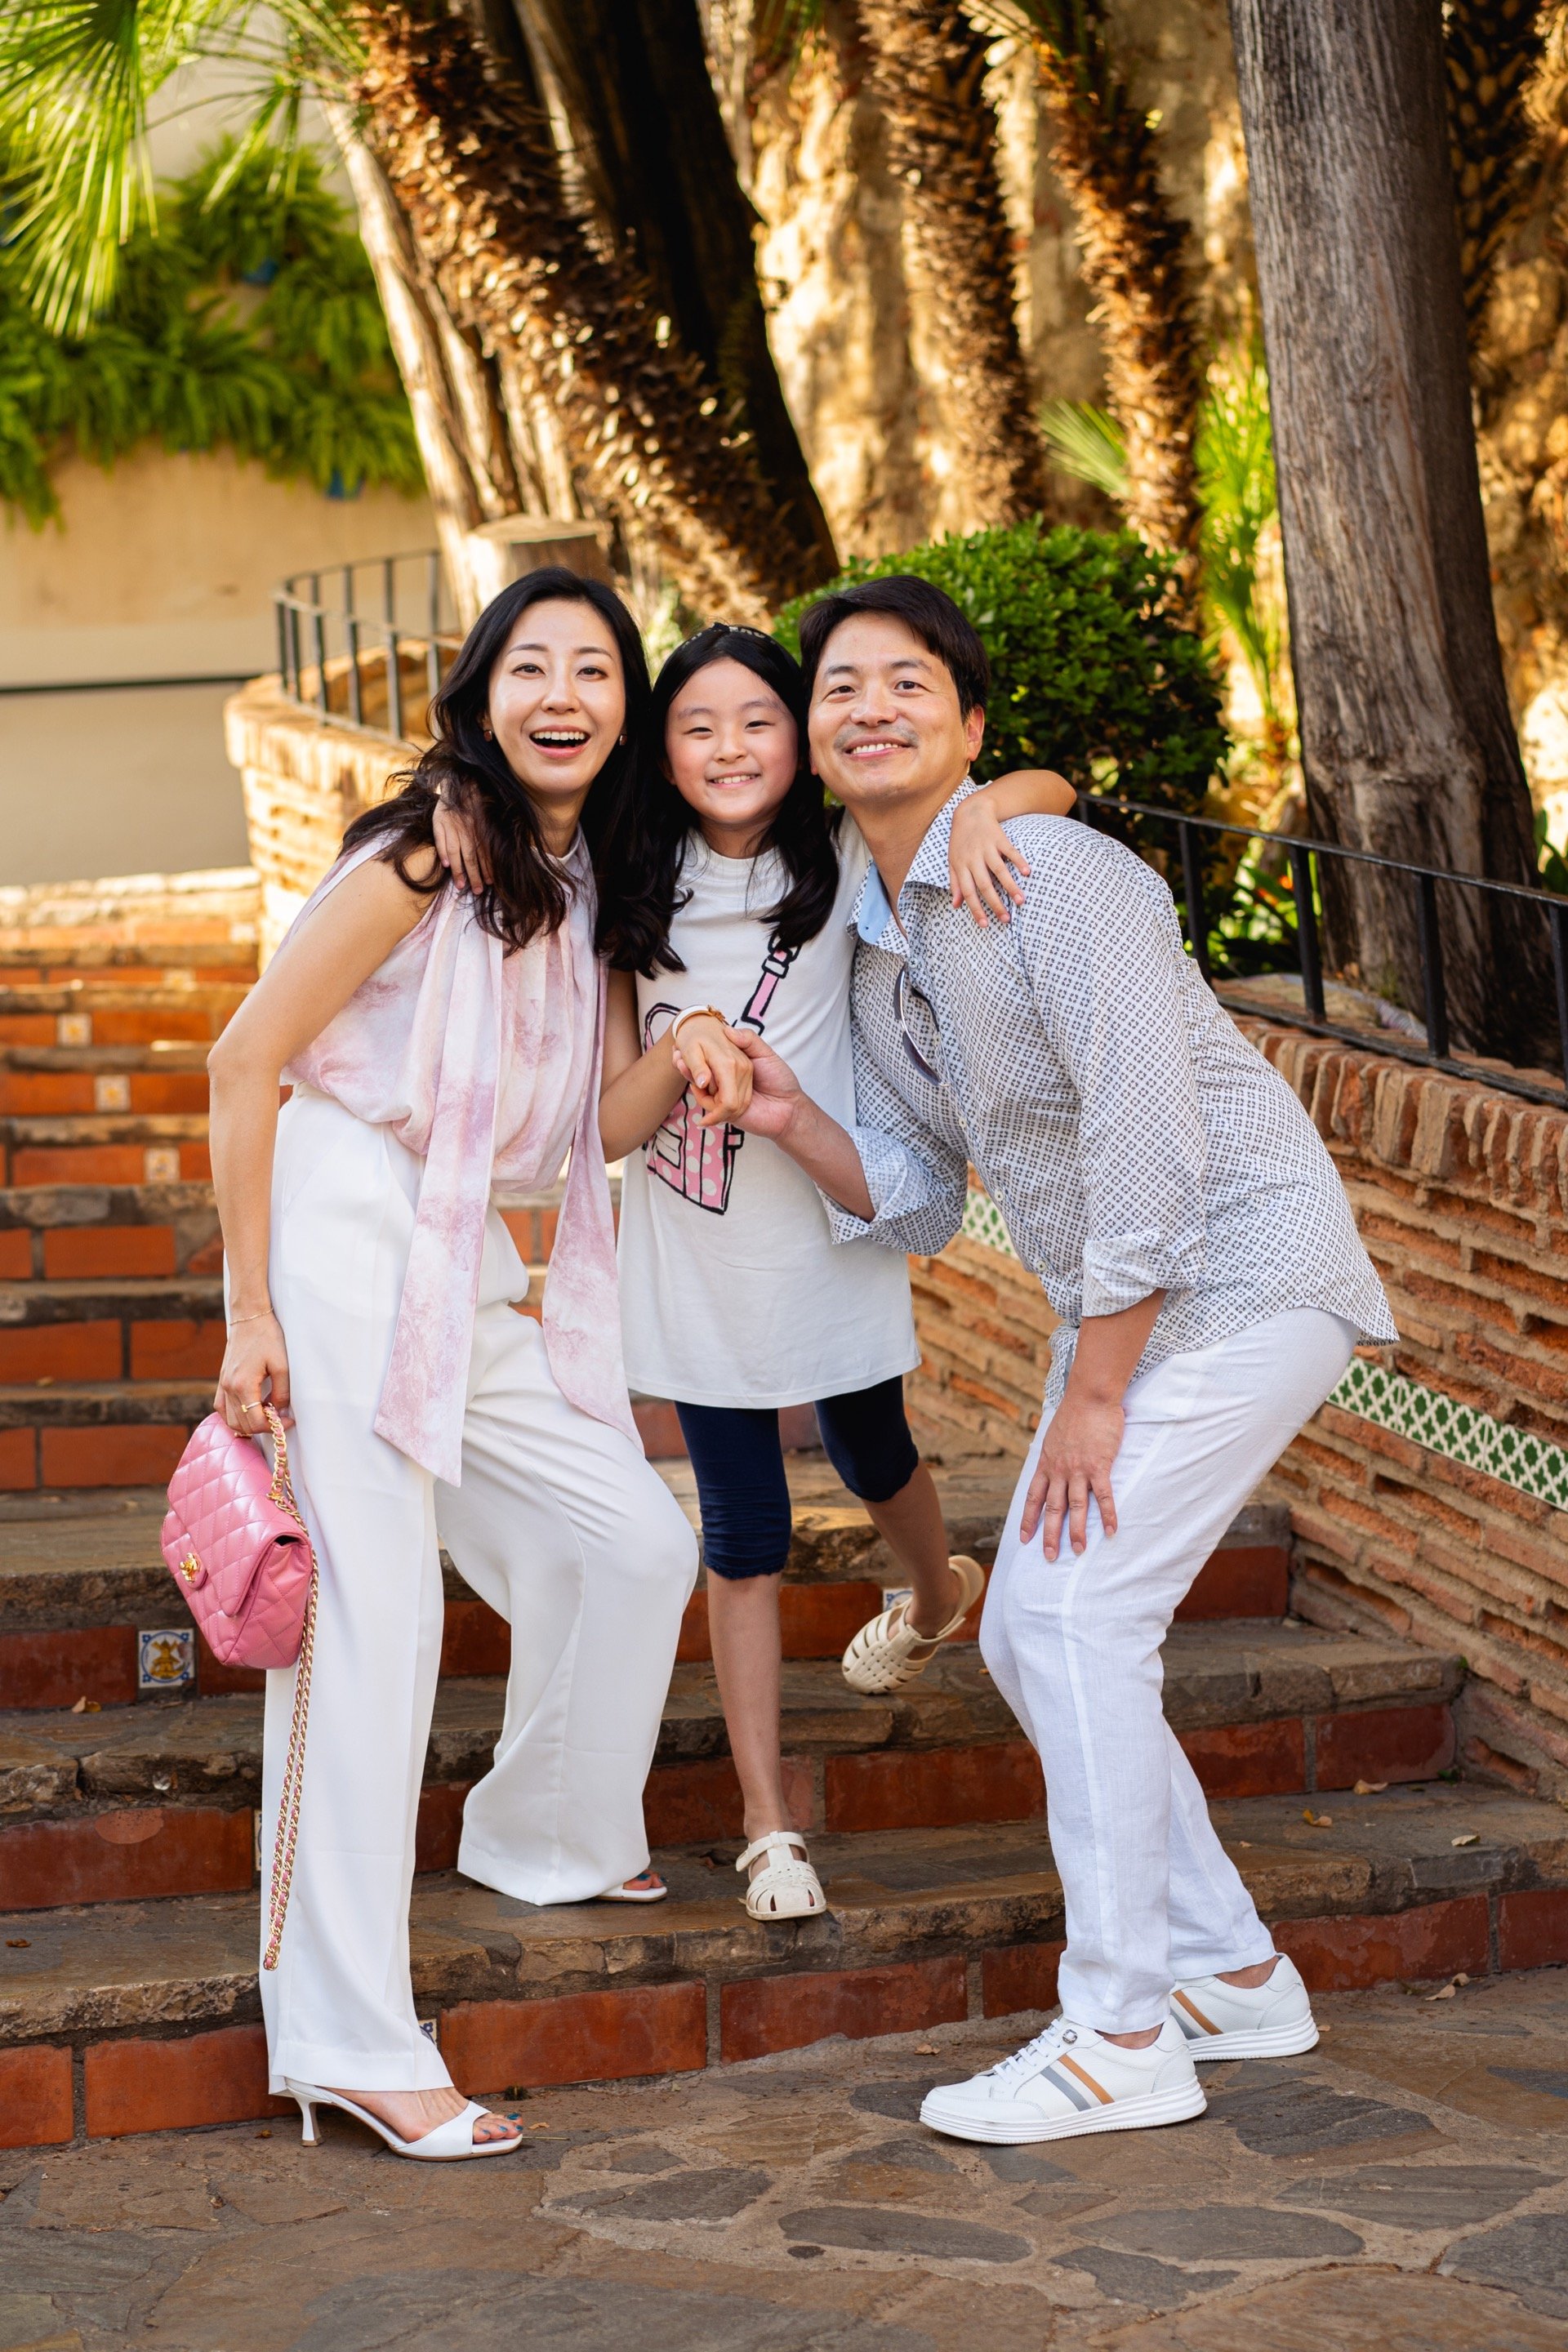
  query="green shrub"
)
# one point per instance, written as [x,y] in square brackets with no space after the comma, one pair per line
[1093,672]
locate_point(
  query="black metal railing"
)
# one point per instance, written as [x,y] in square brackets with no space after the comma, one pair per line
[1300,855]
[367,644]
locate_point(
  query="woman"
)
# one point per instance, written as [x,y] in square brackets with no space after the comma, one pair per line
[437,1042]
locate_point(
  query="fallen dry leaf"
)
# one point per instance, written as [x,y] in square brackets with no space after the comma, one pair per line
[1317,1820]
[1369,1787]
[1447,1993]
[1245,1845]
[87,1707]
[1471,1837]
[925,2049]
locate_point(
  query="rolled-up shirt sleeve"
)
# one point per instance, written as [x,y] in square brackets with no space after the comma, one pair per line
[917,1178]
[1109,983]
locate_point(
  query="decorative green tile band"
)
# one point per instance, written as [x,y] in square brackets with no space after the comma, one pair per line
[1444,1425]
[1425,1416]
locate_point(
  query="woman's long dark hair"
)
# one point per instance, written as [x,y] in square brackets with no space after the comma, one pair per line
[528,892]
[643,847]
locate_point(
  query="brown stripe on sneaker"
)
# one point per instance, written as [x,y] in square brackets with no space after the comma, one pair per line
[1087,2079]
[1194,2010]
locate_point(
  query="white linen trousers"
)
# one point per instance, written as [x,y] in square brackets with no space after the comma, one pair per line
[1073,1645]
[559,1523]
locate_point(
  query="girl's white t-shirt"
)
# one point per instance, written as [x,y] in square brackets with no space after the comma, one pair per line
[732,1292]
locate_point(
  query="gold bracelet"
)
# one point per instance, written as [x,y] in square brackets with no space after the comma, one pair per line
[234,1321]
[694,1012]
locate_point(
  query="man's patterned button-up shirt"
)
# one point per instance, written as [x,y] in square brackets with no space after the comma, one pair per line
[1130,1137]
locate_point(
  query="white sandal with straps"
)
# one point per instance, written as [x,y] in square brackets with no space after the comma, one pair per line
[888,1652]
[787,1887]
[452,2142]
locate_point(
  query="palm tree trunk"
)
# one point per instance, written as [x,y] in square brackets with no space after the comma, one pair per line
[927,69]
[1405,737]
[453,389]
[1490,50]
[1133,262]
[650,142]
[476,172]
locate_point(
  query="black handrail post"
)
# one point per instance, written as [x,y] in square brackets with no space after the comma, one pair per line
[433,601]
[1560,968]
[1430,941]
[394,686]
[350,628]
[1307,946]
[1193,880]
[318,625]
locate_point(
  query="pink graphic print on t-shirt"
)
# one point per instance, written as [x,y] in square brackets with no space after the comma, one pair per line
[694,1160]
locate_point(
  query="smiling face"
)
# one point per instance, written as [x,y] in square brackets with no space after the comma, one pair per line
[557,703]
[886,727]
[730,751]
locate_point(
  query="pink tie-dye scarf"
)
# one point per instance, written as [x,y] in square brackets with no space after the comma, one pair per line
[486,1066]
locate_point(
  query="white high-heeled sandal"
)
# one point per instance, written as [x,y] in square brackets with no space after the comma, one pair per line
[887,1652]
[787,1887]
[451,2143]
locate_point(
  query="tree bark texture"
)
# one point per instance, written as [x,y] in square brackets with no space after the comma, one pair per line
[927,69]
[476,174]
[1407,742]
[651,139]
[1134,252]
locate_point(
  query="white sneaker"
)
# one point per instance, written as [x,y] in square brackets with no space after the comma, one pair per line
[1273,2019]
[1068,2081]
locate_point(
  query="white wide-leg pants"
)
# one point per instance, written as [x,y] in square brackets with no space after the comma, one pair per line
[559,1523]
[1073,1645]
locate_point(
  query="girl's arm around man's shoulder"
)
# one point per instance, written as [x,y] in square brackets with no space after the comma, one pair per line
[987,870]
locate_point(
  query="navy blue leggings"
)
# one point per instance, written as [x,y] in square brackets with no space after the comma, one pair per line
[739,1462]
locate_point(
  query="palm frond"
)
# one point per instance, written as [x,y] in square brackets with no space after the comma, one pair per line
[79,79]
[1088,443]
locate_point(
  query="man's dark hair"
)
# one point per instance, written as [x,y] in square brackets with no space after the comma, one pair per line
[930,612]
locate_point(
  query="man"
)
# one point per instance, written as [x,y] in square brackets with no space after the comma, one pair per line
[1191,1235]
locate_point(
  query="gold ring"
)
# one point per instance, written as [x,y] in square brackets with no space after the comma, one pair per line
[257,1407]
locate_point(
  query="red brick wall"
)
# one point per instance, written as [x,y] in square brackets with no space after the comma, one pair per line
[1461,1194]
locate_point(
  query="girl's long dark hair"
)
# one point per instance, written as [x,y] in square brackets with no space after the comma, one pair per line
[643,847]
[528,892]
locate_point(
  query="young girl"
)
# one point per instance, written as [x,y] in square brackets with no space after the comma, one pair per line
[729,887]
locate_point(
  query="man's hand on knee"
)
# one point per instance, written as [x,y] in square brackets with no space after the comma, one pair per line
[1078,1454]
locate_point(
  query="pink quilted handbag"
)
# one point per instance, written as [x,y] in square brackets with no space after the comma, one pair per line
[237,1547]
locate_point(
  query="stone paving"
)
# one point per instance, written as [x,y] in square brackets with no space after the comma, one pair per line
[1403,2188]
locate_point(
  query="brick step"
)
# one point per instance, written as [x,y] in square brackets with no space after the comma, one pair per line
[97,1434]
[71,1081]
[102,1147]
[67,1232]
[79,1586]
[107,1013]
[149,1801]
[146,2016]
[148,1329]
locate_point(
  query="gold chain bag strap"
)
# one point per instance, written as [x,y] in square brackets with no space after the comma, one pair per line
[288,1831]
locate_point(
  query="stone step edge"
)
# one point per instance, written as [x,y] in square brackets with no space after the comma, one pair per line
[832,1545]
[893,1767]
[88,2086]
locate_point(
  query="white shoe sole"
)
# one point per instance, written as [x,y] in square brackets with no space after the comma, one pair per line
[1284,2041]
[1175,2106]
